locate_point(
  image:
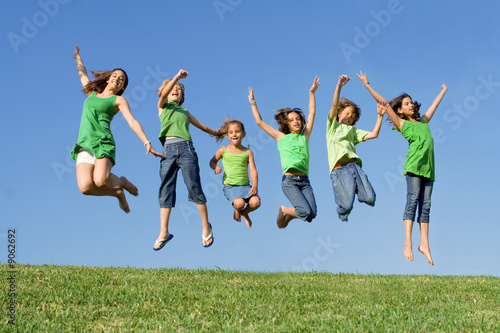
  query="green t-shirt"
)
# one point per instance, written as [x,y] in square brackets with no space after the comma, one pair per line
[341,140]
[420,157]
[294,153]
[95,131]
[235,168]
[174,122]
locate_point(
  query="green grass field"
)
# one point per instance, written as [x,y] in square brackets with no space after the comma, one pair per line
[94,299]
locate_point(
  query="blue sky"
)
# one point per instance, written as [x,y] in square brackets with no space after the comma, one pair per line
[277,49]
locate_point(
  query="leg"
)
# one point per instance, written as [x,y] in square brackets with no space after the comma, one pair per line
[292,188]
[85,179]
[238,205]
[424,241]
[308,193]
[202,208]
[104,178]
[164,219]
[253,204]
[344,188]
[423,219]
[408,243]
[364,188]
[285,215]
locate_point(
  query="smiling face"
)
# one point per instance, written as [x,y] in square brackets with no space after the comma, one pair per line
[176,95]
[347,116]
[235,134]
[117,80]
[294,122]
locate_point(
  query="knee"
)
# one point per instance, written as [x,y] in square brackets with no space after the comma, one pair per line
[254,202]
[86,188]
[239,204]
[101,181]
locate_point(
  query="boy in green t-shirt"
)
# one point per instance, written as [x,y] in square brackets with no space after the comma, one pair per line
[345,166]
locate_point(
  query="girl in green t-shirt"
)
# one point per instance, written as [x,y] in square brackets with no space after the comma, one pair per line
[236,160]
[293,145]
[94,150]
[419,165]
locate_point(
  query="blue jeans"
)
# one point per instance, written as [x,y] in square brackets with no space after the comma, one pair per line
[347,181]
[419,193]
[300,193]
[180,155]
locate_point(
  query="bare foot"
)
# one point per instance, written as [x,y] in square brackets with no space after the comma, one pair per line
[280,220]
[247,220]
[123,201]
[288,218]
[129,187]
[408,252]
[237,215]
[427,253]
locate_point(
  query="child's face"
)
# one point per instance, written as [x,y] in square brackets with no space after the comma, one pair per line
[406,107]
[346,116]
[294,122]
[176,94]
[235,134]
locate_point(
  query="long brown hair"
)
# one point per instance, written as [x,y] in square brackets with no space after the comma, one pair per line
[101,81]
[222,132]
[397,102]
[281,117]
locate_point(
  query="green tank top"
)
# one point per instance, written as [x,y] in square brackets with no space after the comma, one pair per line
[294,153]
[95,131]
[174,122]
[235,168]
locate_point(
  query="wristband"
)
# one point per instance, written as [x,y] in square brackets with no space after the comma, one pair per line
[253,103]
[366,83]
[145,143]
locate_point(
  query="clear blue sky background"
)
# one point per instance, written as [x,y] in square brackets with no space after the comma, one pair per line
[276,48]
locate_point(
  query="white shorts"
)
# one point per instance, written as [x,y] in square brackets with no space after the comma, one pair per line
[85,156]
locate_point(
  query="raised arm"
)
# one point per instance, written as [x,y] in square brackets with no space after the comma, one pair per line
[82,71]
[430,112]
[398,122]
[168,88]
[343,79]
[122,105]
[312,108]
[366,84]
[215,160]
[381,110]
[258,119]
[253,174]
[198,124]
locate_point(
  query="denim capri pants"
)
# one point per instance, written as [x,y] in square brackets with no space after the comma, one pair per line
[419,194]
[179,155]
[300,193]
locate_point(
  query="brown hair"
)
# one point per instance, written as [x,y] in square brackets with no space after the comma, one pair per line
[222,132]
[344,103]
[397,102]
[281,117]
[101,81]
[164,83]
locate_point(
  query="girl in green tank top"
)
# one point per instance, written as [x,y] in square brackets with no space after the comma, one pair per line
[94,150]
[236,160]
[419,165]
[293,145]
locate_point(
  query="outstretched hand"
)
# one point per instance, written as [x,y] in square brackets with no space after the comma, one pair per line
[362,77]
[382,108]
[251,99]
[343,79]
[218,170]
[444,87]
[182,74]
[315,84]
[77,51]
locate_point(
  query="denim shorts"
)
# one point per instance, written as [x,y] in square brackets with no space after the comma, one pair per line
[419,190]
[300,193]
[233,192]
[179,155]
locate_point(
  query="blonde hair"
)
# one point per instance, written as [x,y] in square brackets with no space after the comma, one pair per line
[164,84]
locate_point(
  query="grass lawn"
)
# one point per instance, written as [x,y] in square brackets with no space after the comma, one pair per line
[112,299]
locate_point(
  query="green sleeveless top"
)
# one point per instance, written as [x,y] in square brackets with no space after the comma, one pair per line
[294,153]
[95,132]
[174,122]
[420,157]
[235,168]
